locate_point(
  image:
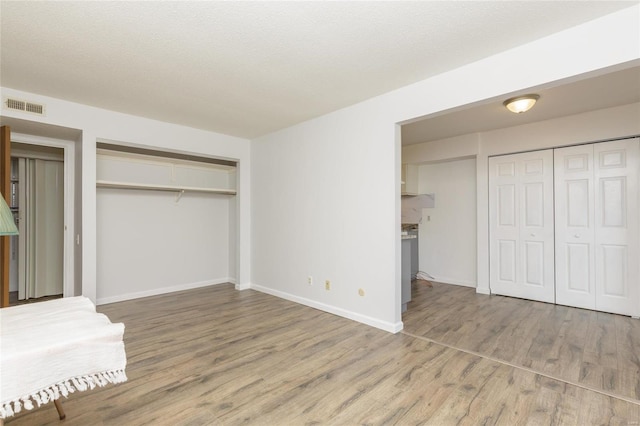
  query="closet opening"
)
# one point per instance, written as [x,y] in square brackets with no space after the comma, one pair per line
[564,225]
[166,222]
[37,201]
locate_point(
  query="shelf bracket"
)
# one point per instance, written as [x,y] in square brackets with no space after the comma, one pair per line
[179,195]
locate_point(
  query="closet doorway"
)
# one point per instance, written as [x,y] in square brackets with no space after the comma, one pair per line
[564,226]
[36,255]
[21,138]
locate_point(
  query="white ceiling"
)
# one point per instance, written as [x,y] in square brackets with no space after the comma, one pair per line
[602,91]
[250,68]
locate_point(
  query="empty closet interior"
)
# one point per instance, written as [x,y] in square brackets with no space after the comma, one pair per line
[165,222]
[564,226]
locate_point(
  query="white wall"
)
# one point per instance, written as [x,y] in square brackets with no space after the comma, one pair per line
[150,244]
[441,150]
[447,233]
[326,193]
[316,194]
[98,125]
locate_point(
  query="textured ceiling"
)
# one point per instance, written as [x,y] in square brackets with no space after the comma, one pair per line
[603,91]
[250,68]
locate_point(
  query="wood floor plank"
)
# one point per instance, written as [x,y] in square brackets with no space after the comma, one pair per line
[217,356]
[593,349]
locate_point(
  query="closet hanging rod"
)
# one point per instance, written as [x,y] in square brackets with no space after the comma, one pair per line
[155,187]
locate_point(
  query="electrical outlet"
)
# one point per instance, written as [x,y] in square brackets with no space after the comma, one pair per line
[327,285]
[310,280]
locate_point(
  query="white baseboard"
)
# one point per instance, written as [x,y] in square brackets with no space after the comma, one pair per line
[483,290]
[373,322]
[162,290]
[447,280]
[243,286]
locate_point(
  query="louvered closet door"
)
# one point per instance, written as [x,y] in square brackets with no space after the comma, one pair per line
[521,225]
[597,226]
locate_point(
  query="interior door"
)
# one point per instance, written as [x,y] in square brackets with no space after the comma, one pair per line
[5,187]
[575,221]
[616,226]
[41,228]
[521,225]
[597,226]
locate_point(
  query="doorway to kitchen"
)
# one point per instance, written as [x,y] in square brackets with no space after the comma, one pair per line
[441,212]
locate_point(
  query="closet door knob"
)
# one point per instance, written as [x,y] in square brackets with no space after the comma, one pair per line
[533,235]
[577,235]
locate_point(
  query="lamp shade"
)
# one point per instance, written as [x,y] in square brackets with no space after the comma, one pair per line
[521,103]
[7,225]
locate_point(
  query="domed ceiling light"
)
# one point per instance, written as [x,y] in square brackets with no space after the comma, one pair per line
[521,104]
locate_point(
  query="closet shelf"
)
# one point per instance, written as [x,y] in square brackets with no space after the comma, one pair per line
[168,188]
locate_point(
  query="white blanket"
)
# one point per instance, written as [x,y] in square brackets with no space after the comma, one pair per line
[52,348]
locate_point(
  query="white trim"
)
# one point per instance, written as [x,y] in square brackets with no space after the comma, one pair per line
[482,290]
[244,286]
[157,291]
[453,281]
[68,268]
[19,153]
[373,322]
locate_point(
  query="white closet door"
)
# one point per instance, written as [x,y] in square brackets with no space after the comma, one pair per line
[616,226]
[41,226]
[521,225]
[49,228]
[596,192]
[574,222]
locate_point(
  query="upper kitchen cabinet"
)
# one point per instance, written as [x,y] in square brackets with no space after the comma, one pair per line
[409,179]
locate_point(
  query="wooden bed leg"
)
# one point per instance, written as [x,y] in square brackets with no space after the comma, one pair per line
[61,413]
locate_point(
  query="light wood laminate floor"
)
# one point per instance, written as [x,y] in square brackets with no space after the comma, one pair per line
[217,356]
[593,349]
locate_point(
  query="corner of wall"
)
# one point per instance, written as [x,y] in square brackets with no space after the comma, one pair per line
[373,322]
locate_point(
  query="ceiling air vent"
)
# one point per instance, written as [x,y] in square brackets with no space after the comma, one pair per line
[25,106]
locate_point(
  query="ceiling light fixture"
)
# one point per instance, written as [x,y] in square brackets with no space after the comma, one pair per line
[521,104]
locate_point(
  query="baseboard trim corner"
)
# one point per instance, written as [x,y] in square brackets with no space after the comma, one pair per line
[483,290]
[364,319]
[243,286]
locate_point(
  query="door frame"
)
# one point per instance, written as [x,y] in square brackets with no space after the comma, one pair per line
[68,267]
[5,186]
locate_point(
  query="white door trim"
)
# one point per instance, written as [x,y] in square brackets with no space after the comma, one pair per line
[69,202]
